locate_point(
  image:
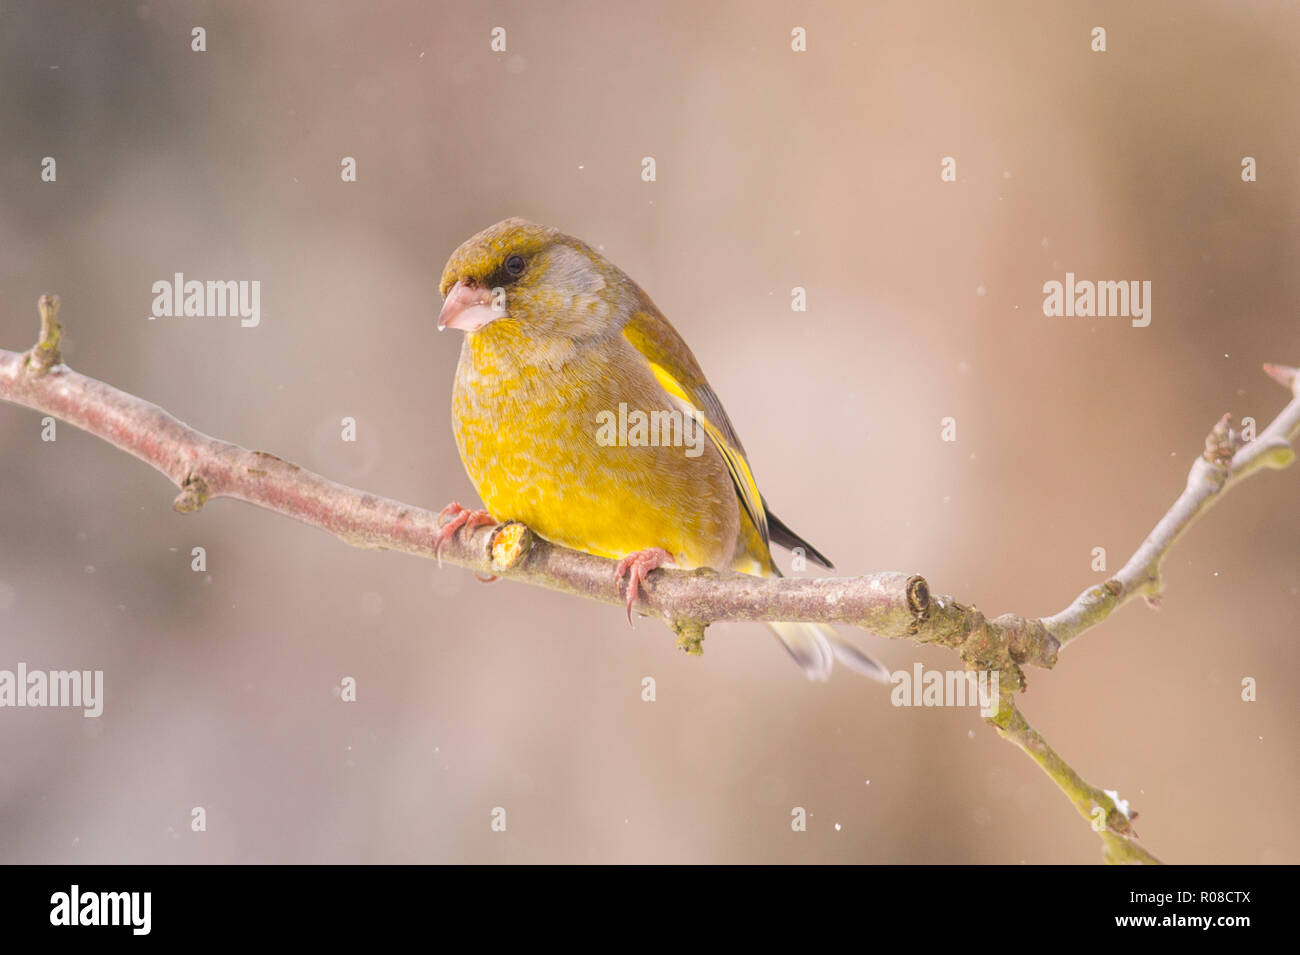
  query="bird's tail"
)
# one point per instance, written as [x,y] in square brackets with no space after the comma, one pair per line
[816,647]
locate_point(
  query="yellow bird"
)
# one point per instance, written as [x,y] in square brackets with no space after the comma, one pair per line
[580,412]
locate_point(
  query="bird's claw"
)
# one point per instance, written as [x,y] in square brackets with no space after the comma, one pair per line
[459,517]
[636,567]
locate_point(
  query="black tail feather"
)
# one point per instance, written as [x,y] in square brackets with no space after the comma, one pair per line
[781,534]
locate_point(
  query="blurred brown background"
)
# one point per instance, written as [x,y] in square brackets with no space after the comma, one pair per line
[775,169]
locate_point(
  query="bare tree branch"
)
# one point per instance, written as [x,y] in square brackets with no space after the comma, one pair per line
[203,467]
[888,604]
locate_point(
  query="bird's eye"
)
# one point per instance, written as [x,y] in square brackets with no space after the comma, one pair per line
[515,265]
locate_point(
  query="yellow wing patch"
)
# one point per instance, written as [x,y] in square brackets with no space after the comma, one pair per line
[741,476]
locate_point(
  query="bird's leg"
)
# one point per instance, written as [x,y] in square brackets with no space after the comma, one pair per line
[635,567]
[460,517]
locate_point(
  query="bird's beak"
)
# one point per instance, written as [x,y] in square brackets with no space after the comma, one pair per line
[468,307]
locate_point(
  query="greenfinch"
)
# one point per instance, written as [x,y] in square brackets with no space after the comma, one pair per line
[580,412]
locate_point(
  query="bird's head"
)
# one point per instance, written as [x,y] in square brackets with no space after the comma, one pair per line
[533,280]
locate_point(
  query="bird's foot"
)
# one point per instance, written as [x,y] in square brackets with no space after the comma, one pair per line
[459,517]
[635,567]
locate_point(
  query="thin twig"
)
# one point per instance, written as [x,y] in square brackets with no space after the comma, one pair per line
[1226,462]
[1108,819]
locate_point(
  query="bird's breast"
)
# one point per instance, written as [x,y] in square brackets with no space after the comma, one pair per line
[545,440]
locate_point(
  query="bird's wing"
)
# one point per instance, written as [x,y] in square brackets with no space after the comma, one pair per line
[679,374]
